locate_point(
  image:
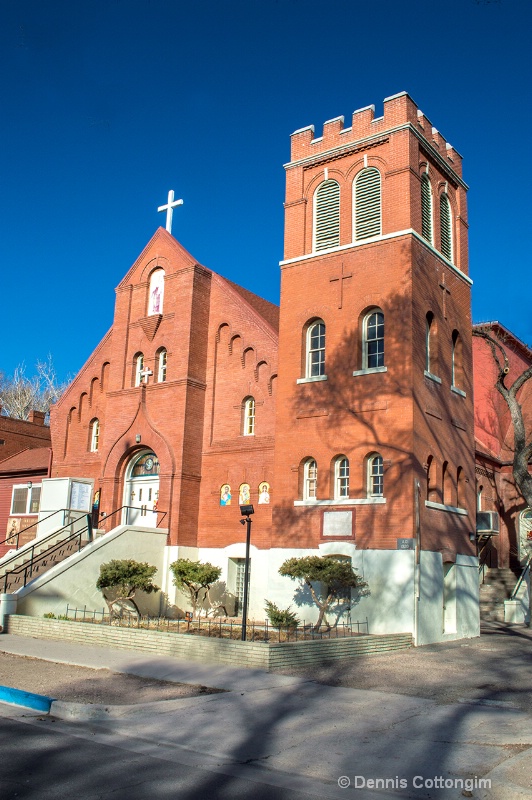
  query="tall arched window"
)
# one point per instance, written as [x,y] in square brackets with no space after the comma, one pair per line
[426,208]
[327,215]
[480,490]
[447,484]
[162,358]
[431,344]
[446,230]
[138,365]
[248,417]
[156,292]
[315,349]
[94,436]
[458,367]
[367,204]
[432,490]
[373,340]
[375,476]
[460,487]
[341,478]
[310,479]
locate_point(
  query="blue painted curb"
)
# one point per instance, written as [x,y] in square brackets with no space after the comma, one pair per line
[39,702]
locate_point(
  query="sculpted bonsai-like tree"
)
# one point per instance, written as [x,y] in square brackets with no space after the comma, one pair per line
[327,578]
[120,580]
[195,578]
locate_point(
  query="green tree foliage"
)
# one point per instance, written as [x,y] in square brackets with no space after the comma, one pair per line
[280,617]
[327,578]
[120,579]
[195,578]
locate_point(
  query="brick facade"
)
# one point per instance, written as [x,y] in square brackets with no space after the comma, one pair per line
[225,345]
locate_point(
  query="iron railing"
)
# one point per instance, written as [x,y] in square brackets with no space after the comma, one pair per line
[521,578]
[44,539]
[15,537]
[221,628]
[102,522]
[21,575]
[485,558]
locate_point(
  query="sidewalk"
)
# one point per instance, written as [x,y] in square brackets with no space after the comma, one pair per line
[292,731]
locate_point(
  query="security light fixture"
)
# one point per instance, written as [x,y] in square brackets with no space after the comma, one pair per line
[138,438]
[246,511]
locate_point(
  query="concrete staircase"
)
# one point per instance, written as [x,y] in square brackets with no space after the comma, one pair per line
[497,587]
[39,555]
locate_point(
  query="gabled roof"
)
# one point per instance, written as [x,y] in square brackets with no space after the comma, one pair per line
[507,335]
[269,311]
[29,460]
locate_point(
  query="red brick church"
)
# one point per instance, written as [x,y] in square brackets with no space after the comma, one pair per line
[345,416]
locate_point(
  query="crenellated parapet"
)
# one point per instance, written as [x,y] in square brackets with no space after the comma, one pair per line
[399,111]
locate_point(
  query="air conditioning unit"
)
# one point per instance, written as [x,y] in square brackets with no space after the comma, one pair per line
[487,523]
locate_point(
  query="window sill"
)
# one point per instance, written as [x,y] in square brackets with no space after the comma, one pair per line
[313,379]
[369,371]
[345,501]
[431,377]
[449,509]
[456,390]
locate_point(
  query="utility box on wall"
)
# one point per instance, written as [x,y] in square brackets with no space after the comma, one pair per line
[63,501]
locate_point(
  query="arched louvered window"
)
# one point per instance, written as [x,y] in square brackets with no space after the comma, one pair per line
[446,232]
[426,209]
[327,215]
[367,204]
[162,360]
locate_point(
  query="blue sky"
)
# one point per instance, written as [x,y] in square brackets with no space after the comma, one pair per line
[105,106]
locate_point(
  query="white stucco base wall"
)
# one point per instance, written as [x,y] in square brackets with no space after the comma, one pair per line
[390,574]
[434,624]
[73,581]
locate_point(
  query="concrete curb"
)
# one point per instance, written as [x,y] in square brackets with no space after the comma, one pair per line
[18,697]
[101,712]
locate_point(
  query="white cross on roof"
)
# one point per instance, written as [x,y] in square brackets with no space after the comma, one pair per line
[169,208]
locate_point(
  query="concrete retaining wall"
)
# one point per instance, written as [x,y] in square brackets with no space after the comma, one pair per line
[258,655]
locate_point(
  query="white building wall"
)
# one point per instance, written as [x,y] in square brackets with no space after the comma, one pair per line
[431,620]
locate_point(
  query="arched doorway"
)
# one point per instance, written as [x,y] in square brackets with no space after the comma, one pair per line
[141,491]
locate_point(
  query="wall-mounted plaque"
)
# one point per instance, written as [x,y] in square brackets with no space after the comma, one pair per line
[338,523]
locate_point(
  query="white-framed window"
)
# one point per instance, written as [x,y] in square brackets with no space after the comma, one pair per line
[95,435]
[310,479]
[341,478]
[446,230]
[248,426]
[315,343]
[327,215]
[138,367]
[26,499]
[162,358]
[426,208]
[375,477]
[373,340]
[367,204]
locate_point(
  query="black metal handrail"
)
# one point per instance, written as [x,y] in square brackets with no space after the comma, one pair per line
[38,542]
[484,558]
[16,536]
[521,578]
[29,566]
[104,519]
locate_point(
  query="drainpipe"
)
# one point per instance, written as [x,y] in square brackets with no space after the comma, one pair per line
[417,560]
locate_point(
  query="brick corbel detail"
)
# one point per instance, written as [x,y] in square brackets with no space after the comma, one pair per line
[150,324]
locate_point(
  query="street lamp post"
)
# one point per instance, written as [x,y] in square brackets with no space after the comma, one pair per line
[246,512]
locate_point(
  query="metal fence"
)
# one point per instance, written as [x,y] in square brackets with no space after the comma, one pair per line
[220,628]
